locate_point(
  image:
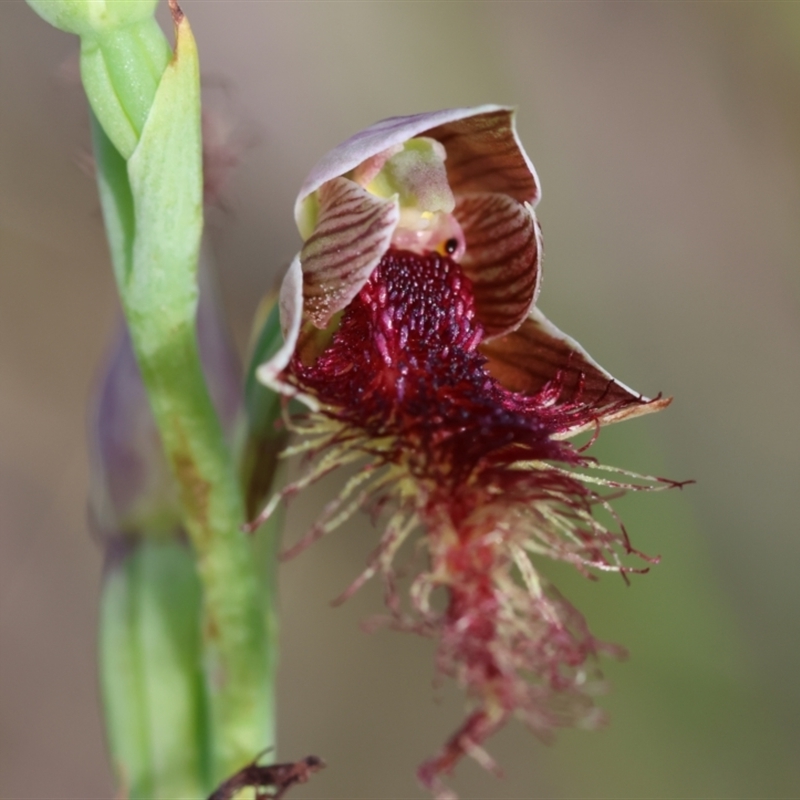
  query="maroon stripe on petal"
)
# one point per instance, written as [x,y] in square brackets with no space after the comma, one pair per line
[353,231]
[484,155]
[501,259]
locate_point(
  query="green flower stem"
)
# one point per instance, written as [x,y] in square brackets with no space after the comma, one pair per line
[168,739]
[153,211]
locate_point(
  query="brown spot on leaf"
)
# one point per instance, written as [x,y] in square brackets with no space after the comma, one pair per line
[210,626]
[194,492]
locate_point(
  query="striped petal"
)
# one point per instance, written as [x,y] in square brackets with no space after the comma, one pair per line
[486,154]
[538,354]
[502,258]
[352,233]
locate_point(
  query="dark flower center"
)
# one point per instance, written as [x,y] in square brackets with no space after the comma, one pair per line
[404,366]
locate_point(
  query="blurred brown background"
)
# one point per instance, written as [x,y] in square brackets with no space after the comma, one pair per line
[667,138]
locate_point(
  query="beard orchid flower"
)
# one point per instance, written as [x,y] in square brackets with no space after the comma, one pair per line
[411,333]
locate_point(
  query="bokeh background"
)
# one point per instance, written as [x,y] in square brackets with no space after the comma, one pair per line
[667,138]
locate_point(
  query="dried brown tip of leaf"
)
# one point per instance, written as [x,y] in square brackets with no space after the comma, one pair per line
[177,12]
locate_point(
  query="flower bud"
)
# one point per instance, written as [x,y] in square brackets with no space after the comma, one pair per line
[92,17]
[123,55]
[121,69]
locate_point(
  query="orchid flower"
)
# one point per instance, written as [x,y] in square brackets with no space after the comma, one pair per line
[411,333]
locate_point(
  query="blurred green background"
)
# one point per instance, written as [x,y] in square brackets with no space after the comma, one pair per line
[667,139]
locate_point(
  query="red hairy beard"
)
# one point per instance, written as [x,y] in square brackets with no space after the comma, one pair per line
[404,364]
[404,376]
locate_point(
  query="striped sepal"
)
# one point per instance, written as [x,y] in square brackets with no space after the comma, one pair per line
[538,354]
[484,155]
[502,258]
[353,231]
